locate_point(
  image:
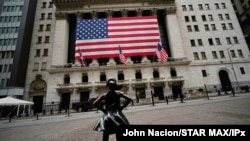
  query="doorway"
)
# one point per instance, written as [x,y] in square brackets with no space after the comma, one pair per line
[65,101]
[225,81]
[176,90]
[159,92]
[38,104]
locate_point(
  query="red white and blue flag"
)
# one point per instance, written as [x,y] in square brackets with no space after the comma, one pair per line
[99,38]
[121,56]
[82,60]
[161,54]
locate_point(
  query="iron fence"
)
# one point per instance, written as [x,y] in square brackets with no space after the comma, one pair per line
[55,108]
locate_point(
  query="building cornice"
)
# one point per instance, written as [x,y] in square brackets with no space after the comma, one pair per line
[61,69]
[65,4]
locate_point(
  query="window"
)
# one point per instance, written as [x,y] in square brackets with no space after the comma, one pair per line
[48,27]
[138,75]
[233,55]
[220,17]
[103,77]
[200,43]
[210,41]
[190,7]
[217,40]
[242,70]
[193,18]
[85,77]
[203,18]
[37,52]
[207,7]
[184,8]
[44,5]
[189,28]
[46,39]
[186,18]
[196,28]
[227,16]
[222,55]
[45,52]
[49,15]
[210,17]
[224,26]
[200,7]
[203,56]
[204,73]
[235,40]
[50,4]
[228,40]
[214,55]
[39,40]
[213,27]
[223,5]
[196,56]
[42,16]
[40,27]
[240,53]
[173,72]
[120,75]
[192,43]
[66,79]
[230,26]
[217,6]
[206,27]
[156,74]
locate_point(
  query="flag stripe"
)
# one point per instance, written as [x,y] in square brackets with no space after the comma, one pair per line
[136,35]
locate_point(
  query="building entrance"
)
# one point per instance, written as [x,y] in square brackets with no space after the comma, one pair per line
[65,101]
[176,90]
[225,81]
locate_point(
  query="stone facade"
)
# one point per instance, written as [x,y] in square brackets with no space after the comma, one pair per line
[63,79]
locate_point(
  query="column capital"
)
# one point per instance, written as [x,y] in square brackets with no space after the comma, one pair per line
[124,12]
[61,15]
[78,15]
[94,14]
[171,10]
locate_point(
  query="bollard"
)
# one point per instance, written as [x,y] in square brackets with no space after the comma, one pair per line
[166,98]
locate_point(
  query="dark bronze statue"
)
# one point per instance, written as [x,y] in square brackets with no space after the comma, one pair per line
[110,104]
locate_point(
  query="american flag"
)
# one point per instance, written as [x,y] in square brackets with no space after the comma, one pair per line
[121,56]
[82,60]
[161,54]
[99,38]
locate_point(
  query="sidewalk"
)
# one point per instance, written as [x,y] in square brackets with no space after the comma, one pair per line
[93,114]
[220,110]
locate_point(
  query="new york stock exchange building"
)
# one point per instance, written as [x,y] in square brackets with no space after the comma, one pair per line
[95,40]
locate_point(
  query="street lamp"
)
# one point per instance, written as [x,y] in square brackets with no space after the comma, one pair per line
[231,62]
[228,50]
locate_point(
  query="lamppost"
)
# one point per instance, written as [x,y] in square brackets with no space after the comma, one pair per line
[231,62]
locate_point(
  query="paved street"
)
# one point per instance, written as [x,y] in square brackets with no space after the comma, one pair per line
[78,126]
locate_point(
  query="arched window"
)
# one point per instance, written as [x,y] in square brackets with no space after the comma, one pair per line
[173,72]
[120,76]
[103,77]
[156,74]
[85,78]
[66,79]
[138,75]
